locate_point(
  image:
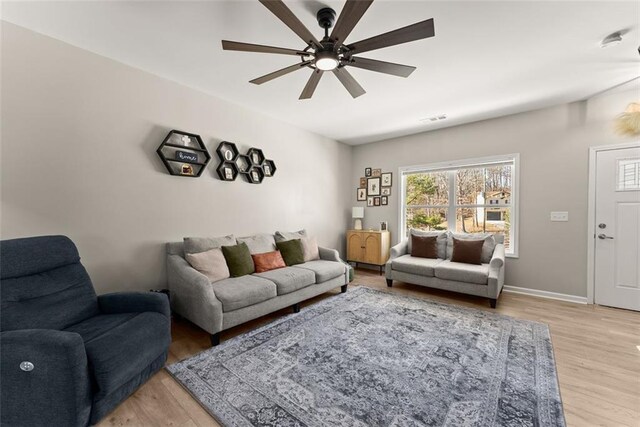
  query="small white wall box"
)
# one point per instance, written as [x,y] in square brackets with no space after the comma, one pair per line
[560,216]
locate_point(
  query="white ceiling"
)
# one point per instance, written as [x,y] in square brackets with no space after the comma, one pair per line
[487,59]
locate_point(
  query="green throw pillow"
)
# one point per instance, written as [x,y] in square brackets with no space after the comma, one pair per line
[238,260]
[291,251]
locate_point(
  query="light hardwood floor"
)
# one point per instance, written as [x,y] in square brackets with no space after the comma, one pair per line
[596,352]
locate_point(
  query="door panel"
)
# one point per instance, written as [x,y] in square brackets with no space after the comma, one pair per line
[354,244]
[372,249]
[617,228]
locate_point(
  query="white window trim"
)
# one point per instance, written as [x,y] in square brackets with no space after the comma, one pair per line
[458,164]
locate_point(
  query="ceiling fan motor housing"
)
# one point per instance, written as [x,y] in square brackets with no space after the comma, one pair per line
[326,17]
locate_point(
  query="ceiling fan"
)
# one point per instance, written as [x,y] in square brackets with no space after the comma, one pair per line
[332,53]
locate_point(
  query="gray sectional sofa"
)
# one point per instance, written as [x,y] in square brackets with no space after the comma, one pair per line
[486,279]
[226,303]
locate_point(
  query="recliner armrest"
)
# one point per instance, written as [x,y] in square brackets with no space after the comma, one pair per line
[134,302]
[58,383]
[329,254]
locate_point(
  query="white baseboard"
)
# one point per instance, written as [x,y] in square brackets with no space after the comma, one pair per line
[545,294]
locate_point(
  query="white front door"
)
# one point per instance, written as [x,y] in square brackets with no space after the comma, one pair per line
[617,228]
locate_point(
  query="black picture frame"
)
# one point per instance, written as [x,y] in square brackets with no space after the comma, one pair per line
[369,201]
[373,186]
[361,194]
[376,201]
[367,172]
[384,200]
[385,191]
[386,182]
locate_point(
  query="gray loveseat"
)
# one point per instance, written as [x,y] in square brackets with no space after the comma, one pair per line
[486,279]
[226,303]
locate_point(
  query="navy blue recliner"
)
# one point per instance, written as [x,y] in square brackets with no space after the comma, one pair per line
[68,357]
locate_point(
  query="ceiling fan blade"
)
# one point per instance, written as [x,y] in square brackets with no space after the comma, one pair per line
[311,85]
[278,8]
[420,30]
[349,16]
[249,47]
[349,82]
[381,66]
[279,73]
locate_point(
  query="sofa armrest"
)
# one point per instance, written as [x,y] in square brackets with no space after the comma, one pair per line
[496,272]
[58,383]
[497,260]
[329,254]
[192,295]
[399,250]
[134,302]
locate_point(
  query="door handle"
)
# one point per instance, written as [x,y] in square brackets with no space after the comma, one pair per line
[604,236]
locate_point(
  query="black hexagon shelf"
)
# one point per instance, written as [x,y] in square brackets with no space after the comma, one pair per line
[255,175]
[244,163]
[227,151]
[256,155]
[183,154]
[227,171]
[269,168]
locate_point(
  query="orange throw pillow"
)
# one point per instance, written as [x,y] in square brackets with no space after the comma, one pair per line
[268,261]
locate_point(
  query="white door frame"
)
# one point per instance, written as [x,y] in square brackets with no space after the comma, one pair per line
[591,214]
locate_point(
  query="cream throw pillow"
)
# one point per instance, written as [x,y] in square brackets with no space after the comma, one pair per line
[211,263]
[310,248]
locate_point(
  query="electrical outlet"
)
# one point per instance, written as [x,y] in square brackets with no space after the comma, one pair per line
[560,216]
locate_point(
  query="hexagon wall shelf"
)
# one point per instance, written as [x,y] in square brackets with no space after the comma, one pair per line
[254,166]
[256,175]
[256,156]
[227,171]
[269,168]
[227,151]
[183,154]
[244,163]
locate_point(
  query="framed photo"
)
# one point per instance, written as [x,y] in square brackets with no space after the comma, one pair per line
[385,191]
[363,182]
[367,172]
[254,176]
[384,200]
[376,172]
[228,174]
[267,170]
[369,201]
[376,201]
[387,179]
[362,194]
[373,186]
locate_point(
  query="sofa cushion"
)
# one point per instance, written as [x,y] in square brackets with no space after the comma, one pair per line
[441,239]
[467,251]
[291,251]
[324,270]
[282,236]
[110,341]
[259,243]
[487,248]
[468,273]
[238,259]
[211,263]
[239,292]
[424,246]
[193,245]
[310,250]
[415,265]
[289,279]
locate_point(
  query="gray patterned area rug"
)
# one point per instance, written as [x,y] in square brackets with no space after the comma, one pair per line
[371,358]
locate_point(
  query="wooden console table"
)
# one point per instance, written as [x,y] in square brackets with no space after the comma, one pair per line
[368,247]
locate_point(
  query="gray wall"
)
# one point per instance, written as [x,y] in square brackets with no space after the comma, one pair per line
[553,144]
[79,134]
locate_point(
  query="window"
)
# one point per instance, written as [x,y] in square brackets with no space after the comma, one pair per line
[468,196]
[628,174]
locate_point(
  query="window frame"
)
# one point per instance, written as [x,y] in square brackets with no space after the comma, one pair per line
[478,162]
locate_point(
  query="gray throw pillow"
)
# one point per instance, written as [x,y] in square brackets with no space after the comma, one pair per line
[211,263]
[194,245]
[310,249]
[487,248]
[259,243]
[282,236]
[441,240]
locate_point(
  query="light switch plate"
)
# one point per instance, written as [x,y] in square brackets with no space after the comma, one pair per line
[560,216]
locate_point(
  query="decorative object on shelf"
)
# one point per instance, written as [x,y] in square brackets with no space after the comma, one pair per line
[376,201]
[367,172]
[227,151]
[369,201]
[269,168]
[384,225]
[357,213]
[227,171]
[376,172]
[361,194]
[183,154]
[387,179]
[256,175]
[363,182]
[628,123]
[373,186]
[385,191]
[384,200]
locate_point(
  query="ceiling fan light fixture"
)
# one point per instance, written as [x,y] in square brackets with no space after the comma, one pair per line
[326,61]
